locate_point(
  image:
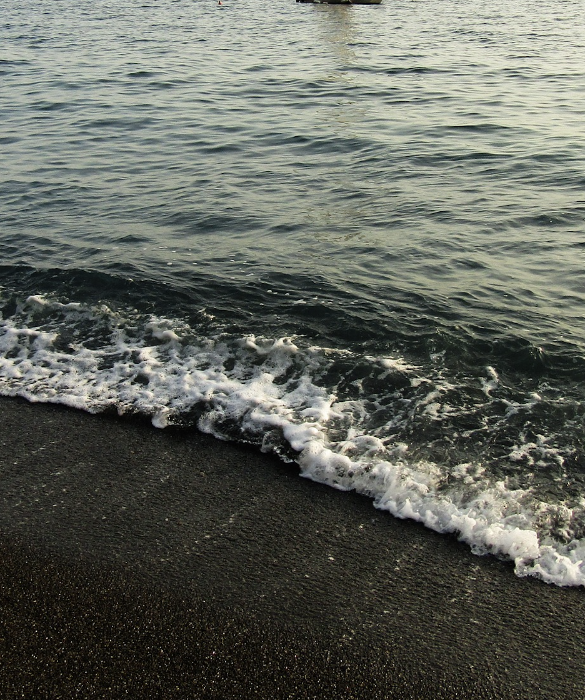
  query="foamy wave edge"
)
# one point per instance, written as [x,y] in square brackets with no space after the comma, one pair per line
[268,390]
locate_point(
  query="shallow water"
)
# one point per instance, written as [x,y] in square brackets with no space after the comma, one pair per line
[351,235]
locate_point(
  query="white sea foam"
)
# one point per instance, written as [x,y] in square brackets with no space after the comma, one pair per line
[268,392]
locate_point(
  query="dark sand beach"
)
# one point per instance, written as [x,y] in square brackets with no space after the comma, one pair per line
[144,563]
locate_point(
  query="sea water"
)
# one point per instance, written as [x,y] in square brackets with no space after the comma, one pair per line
[352,236]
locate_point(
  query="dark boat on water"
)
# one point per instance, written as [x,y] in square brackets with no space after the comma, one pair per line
[343,2]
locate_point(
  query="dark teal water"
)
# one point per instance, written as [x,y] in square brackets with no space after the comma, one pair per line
[397,191]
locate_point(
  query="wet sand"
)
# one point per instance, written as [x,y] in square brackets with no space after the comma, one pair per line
[143,563]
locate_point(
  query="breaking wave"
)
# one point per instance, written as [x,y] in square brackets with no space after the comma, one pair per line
[460,454]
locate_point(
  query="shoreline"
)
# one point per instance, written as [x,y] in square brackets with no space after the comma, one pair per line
[215,551]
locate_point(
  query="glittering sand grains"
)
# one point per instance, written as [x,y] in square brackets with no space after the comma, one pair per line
[154,564]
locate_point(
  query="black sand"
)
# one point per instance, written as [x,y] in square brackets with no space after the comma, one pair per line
[153,564]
